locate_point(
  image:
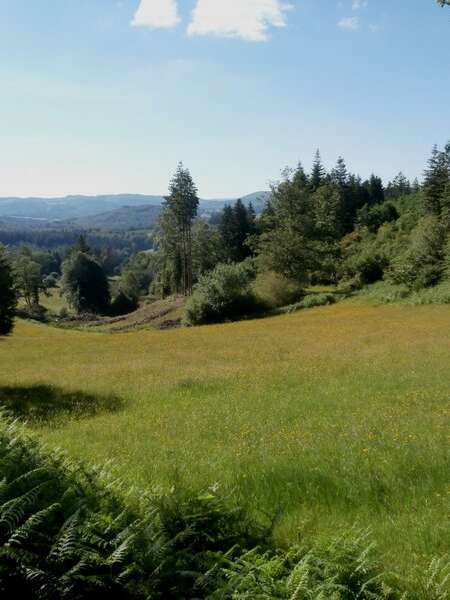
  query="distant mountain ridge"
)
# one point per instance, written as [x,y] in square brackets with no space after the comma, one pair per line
[81,207]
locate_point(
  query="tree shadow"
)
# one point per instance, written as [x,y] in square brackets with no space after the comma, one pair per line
[42,403]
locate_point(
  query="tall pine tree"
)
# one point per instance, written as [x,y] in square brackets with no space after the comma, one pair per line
[182,205]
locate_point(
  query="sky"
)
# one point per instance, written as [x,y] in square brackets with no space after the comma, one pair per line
[106,96]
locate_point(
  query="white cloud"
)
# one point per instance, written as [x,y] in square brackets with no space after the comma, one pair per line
[349,23]
[246,19]
[357,4]
[156,13]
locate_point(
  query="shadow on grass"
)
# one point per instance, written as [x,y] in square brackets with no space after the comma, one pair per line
[40,403]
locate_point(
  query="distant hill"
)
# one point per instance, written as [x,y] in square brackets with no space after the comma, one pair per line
[126,217]
[120,211]
[71,207]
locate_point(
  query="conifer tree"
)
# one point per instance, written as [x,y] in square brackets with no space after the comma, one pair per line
[437,176]
[339,175]
[182,204]
[318,172]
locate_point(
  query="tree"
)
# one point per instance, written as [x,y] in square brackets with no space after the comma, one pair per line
[181,208]
[318,172]
[207,248]
[29,281]
[285,244]
[339,175]
[375,190]
[328,212]
[437,177]
[85,284]
[8,298]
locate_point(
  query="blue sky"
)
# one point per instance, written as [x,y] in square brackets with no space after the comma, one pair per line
[106,96]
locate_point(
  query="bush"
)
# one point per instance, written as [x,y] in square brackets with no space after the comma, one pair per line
[223,294]
[311,301]
[368,267]
[123,304]
[275,290]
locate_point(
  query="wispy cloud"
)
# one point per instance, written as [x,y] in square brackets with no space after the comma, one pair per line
[349,23]
[358,4]
[246,19]
[156,13]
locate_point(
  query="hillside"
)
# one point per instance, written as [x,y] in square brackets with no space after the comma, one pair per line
[326,417]
[126,217]
[79,207]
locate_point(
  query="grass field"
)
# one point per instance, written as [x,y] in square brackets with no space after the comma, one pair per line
[327,417]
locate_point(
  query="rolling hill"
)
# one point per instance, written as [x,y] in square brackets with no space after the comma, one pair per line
[74,208]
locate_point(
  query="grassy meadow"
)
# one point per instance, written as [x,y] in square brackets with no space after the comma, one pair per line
[325,418]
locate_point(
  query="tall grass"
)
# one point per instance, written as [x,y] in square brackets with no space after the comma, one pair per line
[320,419]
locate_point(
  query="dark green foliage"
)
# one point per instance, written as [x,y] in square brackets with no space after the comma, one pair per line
[8,298]
[437,177]
[236,226]
[318,172]
[223,294]
[123,304]
[373,217]
[85,284]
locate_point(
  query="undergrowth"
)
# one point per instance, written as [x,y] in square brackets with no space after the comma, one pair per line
[70,532]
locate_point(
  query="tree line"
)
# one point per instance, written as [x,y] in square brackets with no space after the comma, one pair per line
[321,227]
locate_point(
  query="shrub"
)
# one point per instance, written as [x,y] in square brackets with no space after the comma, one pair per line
[123,304]
[223,294]
[275,290]
[311,301]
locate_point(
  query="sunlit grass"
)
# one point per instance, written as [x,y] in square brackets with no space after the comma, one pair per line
[326,417]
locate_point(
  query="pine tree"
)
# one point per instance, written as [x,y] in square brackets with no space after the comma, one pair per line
[300,178]
[318,172]
[183,203]
[339,175]
[8,299]
[437,176]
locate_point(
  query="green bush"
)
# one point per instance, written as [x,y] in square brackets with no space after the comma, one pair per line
[275,290]
[312,301]
[223,294]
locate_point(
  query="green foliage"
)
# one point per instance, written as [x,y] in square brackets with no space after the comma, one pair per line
[28,279]
[225,293]
[85,284]
[421,265]
[312,301]
[275,290]
[179,211]
[207,248]
[237,224]
[437,178]
[373,217]
[8,298]
[71,533]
